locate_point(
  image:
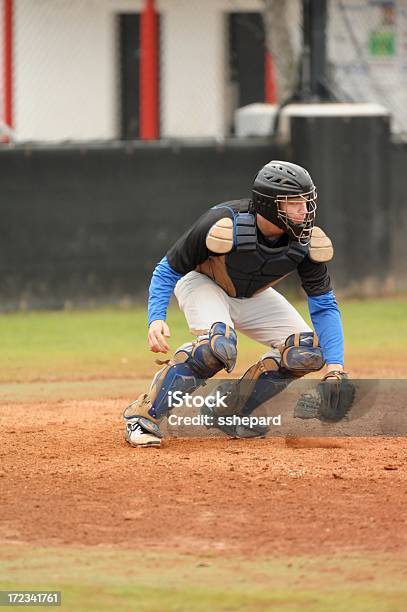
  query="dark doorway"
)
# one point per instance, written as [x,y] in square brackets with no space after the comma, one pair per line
[129,73]
[246,56]
[129,58]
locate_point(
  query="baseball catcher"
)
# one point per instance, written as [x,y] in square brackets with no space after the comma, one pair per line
[223,270]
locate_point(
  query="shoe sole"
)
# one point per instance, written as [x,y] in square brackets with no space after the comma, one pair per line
[141,444]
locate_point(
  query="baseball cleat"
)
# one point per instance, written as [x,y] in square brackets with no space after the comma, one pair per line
[258,431]
[139,437]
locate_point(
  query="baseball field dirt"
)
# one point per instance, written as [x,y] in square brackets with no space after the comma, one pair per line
[198,524]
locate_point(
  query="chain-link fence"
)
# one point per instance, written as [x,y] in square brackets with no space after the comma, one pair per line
[77,67]
[367,52]
[72,69]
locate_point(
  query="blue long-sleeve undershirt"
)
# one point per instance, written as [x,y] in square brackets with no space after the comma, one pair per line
[326,319]
[161,287]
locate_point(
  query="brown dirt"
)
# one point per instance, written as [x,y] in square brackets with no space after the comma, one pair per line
[67,477]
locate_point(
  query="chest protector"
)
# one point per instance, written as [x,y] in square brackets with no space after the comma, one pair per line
[249,266]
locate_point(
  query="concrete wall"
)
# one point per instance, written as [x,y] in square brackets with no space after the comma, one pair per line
[397,202]
[88,225]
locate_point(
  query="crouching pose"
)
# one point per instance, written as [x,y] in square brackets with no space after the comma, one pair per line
[222,270]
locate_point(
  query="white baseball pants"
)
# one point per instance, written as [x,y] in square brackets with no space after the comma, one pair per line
[266,317]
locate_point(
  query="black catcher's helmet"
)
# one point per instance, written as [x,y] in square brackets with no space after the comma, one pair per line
[279,186]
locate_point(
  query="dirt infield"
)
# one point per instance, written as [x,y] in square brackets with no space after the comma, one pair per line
[67,477]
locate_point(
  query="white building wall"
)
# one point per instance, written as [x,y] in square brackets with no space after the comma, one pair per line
[65,78]
[193,70]
[66,61]
[194,65]
[65,68]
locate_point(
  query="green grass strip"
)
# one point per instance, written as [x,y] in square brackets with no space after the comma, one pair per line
[111,342]
[117,579]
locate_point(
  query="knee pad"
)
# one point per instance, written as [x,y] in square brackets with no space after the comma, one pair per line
[191,365]
[301,354]
[215,352]
[268,377]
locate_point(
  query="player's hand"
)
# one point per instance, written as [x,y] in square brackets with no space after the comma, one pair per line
[157,334]
[333,372]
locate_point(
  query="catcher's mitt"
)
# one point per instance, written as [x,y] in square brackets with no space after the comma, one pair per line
[330,401]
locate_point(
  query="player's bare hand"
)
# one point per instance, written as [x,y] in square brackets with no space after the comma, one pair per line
[333,372]
[157,334]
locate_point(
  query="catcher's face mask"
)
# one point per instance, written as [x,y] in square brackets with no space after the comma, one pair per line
[297,214]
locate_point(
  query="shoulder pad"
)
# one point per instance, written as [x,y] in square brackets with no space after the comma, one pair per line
[246,232]
[320,247]
[220,237]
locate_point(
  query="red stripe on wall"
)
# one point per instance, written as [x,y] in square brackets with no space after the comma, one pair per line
[8,61]
[270,90]
[149,86]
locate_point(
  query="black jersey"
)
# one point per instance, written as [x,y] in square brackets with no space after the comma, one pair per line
[254,263]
